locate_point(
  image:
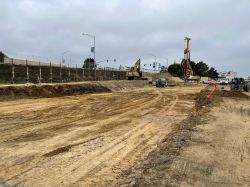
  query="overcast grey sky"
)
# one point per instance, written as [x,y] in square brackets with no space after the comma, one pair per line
[128,29]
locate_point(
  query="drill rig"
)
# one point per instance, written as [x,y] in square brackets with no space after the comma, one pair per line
[186,66]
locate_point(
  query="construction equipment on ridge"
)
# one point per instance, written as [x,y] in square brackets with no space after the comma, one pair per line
[135,72]
[187,67]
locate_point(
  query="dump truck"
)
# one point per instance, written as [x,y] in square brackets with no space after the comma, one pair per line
[135,72]
[239,84]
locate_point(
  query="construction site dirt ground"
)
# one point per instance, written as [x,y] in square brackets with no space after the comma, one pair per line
[140,137]
[85,140]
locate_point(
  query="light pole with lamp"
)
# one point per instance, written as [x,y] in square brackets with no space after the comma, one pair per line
[92,48]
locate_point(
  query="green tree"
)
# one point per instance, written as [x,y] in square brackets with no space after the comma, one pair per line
[89,63]
[175,70]
[212,73]
[201,69]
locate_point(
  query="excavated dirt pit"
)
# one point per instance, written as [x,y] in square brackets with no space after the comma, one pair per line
[128,135]
[86,139]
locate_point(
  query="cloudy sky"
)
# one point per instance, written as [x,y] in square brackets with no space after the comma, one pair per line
[129,29]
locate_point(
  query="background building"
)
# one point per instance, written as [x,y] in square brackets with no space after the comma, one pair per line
[227,75]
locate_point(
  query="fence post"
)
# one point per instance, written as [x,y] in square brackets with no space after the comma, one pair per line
[13,71]
[51,75]
[27,71]
[105,76]
[76,73]
[60,72]
[89,71]
[69,72]
[83,74]
[40,72]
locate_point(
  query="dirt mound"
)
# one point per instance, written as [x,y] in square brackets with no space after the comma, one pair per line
[12,92]
[202,98]
[57,90]
[171,80]
[225,93]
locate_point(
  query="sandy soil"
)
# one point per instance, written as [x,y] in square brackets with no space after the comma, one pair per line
[209,148]
[219,154]
[85,140]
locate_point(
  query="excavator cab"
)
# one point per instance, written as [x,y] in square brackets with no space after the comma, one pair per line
[135,72]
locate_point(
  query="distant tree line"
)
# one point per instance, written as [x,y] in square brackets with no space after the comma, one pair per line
[199,69]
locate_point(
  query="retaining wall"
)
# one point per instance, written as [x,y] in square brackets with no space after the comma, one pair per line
[10,73]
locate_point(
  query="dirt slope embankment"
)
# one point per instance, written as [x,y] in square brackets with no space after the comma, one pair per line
[56,90]
[209,148]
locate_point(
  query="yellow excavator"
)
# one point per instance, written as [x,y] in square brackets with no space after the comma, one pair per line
[135,72]
[188,72]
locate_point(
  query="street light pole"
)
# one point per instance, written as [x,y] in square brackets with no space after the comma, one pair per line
[92,36]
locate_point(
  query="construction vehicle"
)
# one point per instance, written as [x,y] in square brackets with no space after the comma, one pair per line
[161,82]
[135,72]
[239,84]
[188,72]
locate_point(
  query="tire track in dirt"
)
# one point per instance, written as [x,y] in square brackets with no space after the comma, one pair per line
[111,149]
[48,123]
[123,158]
[77,165]
[93,176]
[130,112]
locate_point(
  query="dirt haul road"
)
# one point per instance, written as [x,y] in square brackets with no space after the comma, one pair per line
[85,140]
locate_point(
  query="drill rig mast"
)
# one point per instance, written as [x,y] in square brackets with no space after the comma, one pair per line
[187,67]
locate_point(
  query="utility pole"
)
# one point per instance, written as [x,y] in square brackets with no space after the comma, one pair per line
[51,73]
[40,72]
[13,70]
[93,49]
[69,72]
[60,72]
[27,71]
